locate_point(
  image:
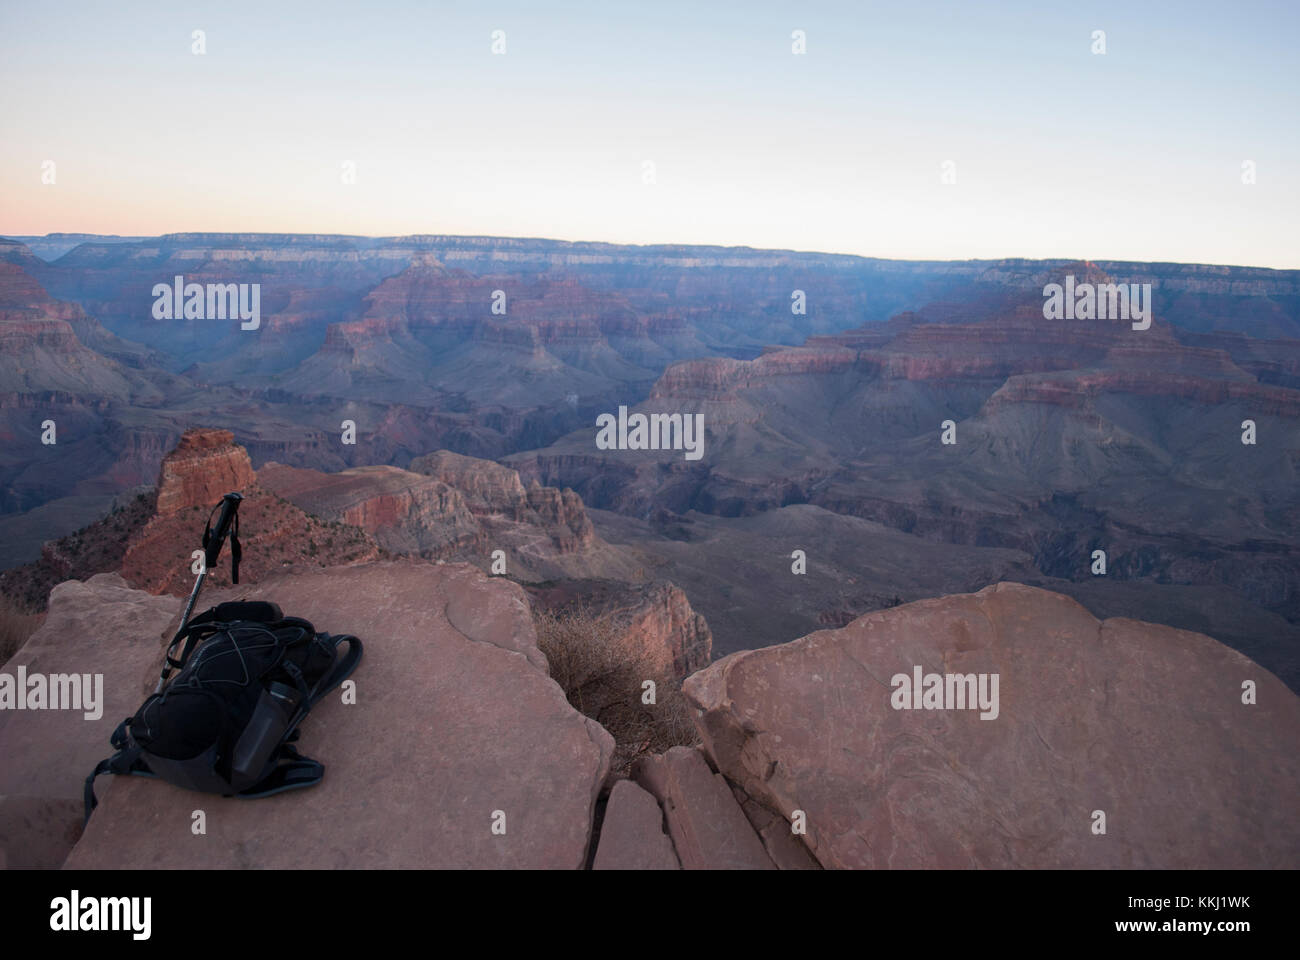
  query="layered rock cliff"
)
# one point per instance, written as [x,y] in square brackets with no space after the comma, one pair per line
[205,466]
[492,490]
[980,424]
[449,506]
[275,534]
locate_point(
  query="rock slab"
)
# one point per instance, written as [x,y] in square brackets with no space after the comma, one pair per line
[708,829]
[99,627]
[632,836]
[1141,722]
[456,728]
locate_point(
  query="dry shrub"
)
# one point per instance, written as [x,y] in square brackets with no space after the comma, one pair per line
[15,627]
[601,673]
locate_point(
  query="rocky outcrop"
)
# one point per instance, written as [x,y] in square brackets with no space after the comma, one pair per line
[455,719]
[544,532]
[1141,723]
[275,534]
[449,506]
[206,465]
[491,490]
[661,617]
[405,512]
[98,628]
[488,488]
[153,545]
[98,547]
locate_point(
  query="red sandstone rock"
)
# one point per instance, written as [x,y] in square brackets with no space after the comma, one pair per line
[1143,722]
[785,848]
[405,512]
[632,835]
[455,718]
[275,533]
[276,537]
[36,833]
[708,829]
[206,465]
[449,506]
[97,627]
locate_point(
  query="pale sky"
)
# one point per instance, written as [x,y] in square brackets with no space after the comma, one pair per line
[1059,152]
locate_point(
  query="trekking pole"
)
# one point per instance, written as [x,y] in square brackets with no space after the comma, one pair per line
[213,538]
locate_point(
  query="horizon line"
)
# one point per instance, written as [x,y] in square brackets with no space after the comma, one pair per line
[21,238]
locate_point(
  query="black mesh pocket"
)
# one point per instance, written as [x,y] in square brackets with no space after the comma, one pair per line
[180,724]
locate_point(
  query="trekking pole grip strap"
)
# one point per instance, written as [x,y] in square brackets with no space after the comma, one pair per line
[214,537]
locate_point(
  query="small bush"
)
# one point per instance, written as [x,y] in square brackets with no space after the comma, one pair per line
[601,674]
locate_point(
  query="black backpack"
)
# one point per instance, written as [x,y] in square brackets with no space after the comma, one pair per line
[227,721]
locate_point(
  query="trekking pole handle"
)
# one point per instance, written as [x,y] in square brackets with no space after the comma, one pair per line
[229,507]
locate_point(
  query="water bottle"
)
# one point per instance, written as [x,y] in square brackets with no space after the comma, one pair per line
[275,709]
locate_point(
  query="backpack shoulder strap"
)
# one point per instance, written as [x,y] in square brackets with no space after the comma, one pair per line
[342,669]
[127,761]
[197,628]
